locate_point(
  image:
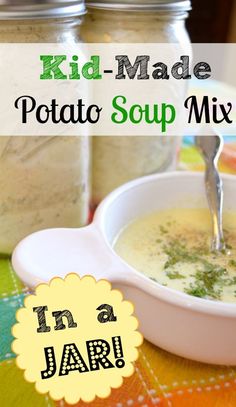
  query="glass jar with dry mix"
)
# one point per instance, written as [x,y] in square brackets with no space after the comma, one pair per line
[44,180]
[118,159]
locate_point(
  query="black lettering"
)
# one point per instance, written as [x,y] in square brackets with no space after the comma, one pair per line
[51,366]
[24,106]
[200,70]
[72,360]
[98,350]
[107,315]
[180,70]
[141,63]
[58,315]
[191,103]
[42,319]
[161,72]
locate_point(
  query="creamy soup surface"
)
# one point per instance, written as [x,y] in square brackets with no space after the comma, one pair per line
[172,247]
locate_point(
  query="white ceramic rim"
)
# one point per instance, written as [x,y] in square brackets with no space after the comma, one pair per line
[169,295]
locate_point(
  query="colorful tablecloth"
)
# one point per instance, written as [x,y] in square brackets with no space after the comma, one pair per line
[160,379]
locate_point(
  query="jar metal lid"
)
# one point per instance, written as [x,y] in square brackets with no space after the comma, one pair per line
[40,9]
[141,5]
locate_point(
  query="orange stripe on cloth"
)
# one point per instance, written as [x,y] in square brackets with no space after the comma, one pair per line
[218,395]
[135,391]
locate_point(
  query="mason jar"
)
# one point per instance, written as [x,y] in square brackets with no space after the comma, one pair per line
[44,180]
[118,159]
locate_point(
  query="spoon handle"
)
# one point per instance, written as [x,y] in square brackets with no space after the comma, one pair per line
[214,190]
[210,148]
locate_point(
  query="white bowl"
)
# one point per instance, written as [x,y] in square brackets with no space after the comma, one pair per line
[195,328]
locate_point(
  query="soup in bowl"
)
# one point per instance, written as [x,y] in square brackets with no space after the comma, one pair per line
[149,237]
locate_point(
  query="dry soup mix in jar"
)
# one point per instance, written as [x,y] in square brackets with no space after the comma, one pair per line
[44,181]
[118,159]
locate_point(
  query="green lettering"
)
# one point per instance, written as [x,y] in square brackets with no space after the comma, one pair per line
[172,114]
[155,114]
[51,68]
[131,114]
[90,70]
[74,68]
[120,109]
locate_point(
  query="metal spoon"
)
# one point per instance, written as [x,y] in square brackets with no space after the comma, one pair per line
[210,148]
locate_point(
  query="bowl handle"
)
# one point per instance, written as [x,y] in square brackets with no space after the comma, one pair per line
[56,252]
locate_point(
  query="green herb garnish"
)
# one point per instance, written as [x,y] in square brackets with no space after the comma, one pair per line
[177,252]
[232,263]
[163,230]
[174,275]
[158,241]
[209,278]
[200,292]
